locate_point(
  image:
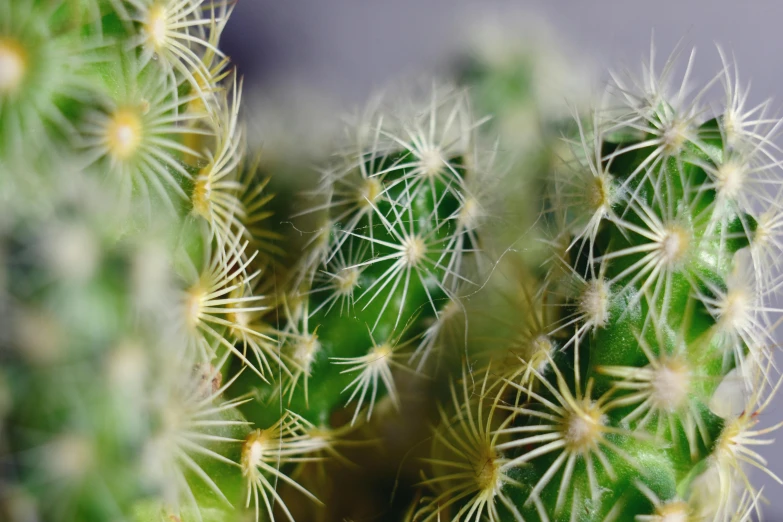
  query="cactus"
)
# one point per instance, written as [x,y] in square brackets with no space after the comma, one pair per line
[662,300]
[393,245]
[124,175]
[172,352]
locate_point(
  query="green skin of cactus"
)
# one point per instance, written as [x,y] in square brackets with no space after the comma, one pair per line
[65,381]
[494,88]
[348,335]
[664,464]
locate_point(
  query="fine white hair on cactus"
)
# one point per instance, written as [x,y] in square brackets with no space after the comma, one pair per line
[216,187]
[663,393]
[442,332]
[317,250]
[667,121]
[741,172]
[249,328]
[733,449]
[302,349]
[741,181]
[670,239]
[436,141]
[471,467]
[585,191]
[574,426]
[479,200]
[339,280]
[354,188]
[745,172]
[376,365]
[676,510]
[767,243]
[747,506]
[264,451]
[134,134]
[741,315]
[530,344]
[664,219]
[742,184]
[592,300]
[177,30]
[207,306]
[193,417]
[654,93]
[703,491]
[416,249]
[744,129]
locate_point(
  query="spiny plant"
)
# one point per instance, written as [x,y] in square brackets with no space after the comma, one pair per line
[393,243]
[233,374]
[170,354]
[109,406]
[129,206]
[658,297]
[400,231]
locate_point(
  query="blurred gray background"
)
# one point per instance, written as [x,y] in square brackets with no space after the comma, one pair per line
[343,49]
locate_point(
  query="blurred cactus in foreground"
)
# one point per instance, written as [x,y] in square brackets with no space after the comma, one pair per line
[436,329]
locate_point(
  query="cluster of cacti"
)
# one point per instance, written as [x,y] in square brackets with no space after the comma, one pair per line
[656,296]
[171,350]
